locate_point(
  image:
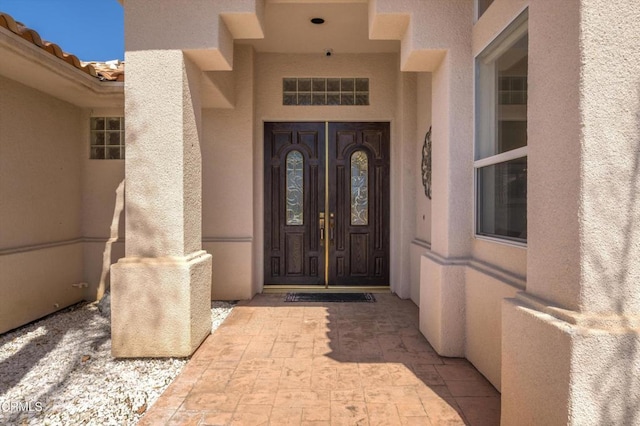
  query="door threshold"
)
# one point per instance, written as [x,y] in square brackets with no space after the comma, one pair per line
[277,289]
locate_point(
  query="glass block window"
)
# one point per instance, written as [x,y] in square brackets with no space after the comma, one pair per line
[107,138]
[325,91]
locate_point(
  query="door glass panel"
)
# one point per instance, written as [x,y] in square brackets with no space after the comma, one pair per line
[359,188]
[295,188]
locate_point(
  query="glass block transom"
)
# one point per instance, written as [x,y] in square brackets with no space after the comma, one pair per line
[325,91]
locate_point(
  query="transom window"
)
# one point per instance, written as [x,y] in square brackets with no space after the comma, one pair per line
[107,138]
[501,135]
[325,91]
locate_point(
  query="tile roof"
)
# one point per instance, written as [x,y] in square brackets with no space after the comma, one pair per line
[109,71]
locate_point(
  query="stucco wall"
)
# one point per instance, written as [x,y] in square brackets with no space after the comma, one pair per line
[497,270]
[227,186]
[102,209]
[422,218]
[423,122]
[40,212]
[403,183]
[484,293]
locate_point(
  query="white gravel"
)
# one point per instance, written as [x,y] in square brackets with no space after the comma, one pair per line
[59,371]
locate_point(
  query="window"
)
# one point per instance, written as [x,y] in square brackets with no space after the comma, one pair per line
[295,188]
[359,188]
[107,138]
[325,91]
[501,135]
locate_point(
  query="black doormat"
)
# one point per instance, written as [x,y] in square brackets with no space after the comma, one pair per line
[330,297]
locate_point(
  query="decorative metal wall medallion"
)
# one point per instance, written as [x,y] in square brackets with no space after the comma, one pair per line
[426,164]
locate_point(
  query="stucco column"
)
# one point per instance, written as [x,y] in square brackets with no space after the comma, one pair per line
[161,289]
[571,342]
[437,39]
[442,271]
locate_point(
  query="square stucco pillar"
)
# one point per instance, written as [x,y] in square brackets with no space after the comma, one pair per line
[571,341]
[442,272]
[161,290]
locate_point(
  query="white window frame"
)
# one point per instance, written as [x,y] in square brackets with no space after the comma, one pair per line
[514,31]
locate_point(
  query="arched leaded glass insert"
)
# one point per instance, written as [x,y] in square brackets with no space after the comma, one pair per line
[295,188]
[359,188]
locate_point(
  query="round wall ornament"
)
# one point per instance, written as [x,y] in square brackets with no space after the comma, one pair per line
[426,164]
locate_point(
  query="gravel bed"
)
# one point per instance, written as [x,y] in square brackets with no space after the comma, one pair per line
[59,371]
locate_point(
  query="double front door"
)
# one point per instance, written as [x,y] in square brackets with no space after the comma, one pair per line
[326,203]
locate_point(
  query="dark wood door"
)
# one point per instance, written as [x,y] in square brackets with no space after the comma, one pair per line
[313,237]
[359,182]
[294,185]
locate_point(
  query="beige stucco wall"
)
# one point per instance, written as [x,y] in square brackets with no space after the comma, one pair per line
[40,212]
[403,183]
[494,270]
[422,217]
[102,209]
[227,186]
[583,276]
[485,289]
[463,288]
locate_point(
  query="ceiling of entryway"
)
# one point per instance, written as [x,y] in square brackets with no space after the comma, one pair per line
[288,29]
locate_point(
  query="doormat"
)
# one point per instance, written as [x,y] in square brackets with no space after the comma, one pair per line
[330,297]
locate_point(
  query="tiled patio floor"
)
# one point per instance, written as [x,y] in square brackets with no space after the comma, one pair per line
[277,363]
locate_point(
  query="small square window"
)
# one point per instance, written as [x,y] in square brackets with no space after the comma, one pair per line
[304,99]
[113,123]
[362,99]
[333,99]
[333,85]
[362,84]
[304,84]
[347,84]
[106,138]
[289,99]
[97,123]
[347,99]
[319,85]
[319,99]
[289,84]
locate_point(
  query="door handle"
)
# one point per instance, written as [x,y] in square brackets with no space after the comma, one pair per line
[321,224]
[332,225]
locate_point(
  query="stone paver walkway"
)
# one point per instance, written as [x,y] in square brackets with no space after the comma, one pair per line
[277,363]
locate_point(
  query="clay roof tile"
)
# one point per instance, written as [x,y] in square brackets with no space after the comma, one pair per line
[112,72]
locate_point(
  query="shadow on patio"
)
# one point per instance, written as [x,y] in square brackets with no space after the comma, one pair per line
[279,363]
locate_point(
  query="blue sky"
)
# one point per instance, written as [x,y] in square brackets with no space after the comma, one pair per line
[93,30]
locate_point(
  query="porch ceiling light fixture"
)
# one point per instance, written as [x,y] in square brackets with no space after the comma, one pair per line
[317,21]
